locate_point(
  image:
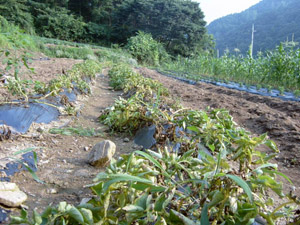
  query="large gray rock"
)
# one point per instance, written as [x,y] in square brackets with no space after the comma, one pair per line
[102,153]
[10,195]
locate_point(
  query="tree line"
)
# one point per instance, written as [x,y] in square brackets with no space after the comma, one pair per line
[178,24]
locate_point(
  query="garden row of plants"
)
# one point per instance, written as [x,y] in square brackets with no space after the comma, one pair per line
[278,69]
[218,176]
[28,90]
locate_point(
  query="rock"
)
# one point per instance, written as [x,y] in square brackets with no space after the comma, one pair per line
[10,195]
[86,148]
[126,140]
[7,186]
[82,173]
[137,147]
[102,153]
[51,191]
[40,130]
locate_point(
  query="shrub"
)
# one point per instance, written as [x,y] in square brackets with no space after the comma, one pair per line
[146,50]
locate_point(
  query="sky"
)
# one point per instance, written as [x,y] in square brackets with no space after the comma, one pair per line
[214,9]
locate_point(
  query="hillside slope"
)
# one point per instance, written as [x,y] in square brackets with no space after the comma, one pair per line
[274,20]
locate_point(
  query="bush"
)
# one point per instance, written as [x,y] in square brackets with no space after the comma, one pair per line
[58,23]
[146,50]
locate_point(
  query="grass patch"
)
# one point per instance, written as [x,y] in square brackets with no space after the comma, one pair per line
[80,131]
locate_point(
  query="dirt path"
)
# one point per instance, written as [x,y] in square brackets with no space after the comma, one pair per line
[63,159]
[258,114]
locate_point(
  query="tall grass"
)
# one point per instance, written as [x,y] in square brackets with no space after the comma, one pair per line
[279,68]
[12,36]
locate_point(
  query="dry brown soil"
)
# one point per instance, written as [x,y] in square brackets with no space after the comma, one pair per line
[62,159]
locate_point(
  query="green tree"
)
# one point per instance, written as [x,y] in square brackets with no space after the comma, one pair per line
[59,23]
[178,24]
[17,11]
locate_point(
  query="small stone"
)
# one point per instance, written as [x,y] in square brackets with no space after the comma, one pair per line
[101,153]
[126,140]
[82,173]
[64,161]
[7,186]
[86,148]
[12,198]
[137,147]
[51,191]
[293,189]
[40,130]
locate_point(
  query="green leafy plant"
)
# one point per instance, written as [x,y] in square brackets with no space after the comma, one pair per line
[122,77]
[146,50]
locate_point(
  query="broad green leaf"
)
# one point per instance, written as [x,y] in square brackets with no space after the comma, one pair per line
[115,178]
[76,214]
[129,161]
[37,218]
[152,188]
[193,128]
[169,198]
[142,201]
[218,197]
[18,220]
[204,215]
[133,208]
[268,181]
[267,165]
[24,214]
[155,154]
[242,184]
[271,144]
[279,173]
[177,216]
[159,202]
[154,161]
[106,203]
[47,212]
[62,207]
[101,176]
[87,215]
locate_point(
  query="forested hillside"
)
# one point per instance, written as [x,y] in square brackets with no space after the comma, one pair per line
[111,21]
[275,21]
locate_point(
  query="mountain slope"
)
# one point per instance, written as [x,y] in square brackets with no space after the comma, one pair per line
[274,20]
